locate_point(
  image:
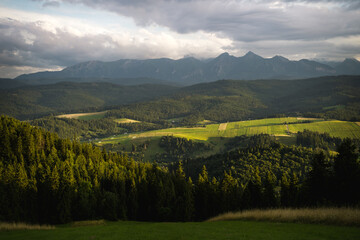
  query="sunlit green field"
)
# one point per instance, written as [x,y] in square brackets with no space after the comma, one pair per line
[272,126]
[84,116]
[249,230]
[219,134]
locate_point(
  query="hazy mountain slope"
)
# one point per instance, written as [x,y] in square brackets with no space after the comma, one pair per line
[28,102]
[164,69]
[190,70]
[349,66]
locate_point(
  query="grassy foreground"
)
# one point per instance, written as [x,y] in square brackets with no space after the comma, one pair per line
[335,216]
[200,230]
[4,226]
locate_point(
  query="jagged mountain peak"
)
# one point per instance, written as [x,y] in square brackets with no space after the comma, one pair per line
[224,55]
[280,58]
[190,70]
[252,55]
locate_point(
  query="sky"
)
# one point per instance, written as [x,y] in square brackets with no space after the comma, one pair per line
[48,35]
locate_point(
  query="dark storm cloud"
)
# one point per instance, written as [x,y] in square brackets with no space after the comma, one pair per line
[241,20]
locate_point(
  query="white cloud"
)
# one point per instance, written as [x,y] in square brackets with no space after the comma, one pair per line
[65,32]
[14,71]
[41,41]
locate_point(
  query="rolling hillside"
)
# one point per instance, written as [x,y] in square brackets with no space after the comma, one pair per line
[230,100]
[35,101]
[226,100]
[217,136]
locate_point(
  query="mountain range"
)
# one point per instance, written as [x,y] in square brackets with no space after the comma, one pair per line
[189,70]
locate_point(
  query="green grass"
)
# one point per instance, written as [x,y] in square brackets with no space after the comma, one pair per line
[273,126]
[334,128]
[283,128]
[248,230]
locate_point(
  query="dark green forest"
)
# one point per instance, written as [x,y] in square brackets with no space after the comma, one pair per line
[32,102]
[47,179]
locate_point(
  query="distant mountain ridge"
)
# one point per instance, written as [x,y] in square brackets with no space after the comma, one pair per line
[191,70]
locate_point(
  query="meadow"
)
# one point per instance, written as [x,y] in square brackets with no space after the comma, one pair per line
[250,230]
[219,134]
[280,127]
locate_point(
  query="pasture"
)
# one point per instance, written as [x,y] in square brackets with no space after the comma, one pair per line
[272,126]
[284,129]
[249,230]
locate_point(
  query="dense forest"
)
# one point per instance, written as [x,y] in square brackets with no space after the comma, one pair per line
[30,102]
[46,179]
[90,129]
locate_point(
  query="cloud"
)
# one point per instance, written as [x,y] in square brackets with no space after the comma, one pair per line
[296,29]
[51,4]
[241,20]
[38,44]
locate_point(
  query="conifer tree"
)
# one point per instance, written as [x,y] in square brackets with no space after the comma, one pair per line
[269,195]
[346,174]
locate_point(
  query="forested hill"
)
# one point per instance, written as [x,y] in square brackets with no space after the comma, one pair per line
[50,180]
[229,100]
[226,100]
[36,101]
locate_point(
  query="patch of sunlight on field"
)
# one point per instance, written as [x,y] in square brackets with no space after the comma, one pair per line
[278,129]
[258,130]
[126,120]
[334,128]
[84,116]
[222,126]
[272,126]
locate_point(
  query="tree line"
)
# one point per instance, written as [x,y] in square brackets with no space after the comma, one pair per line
[46,179]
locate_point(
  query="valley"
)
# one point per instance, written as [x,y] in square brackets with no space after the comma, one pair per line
[179,119]
[162,153]
[218,135]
